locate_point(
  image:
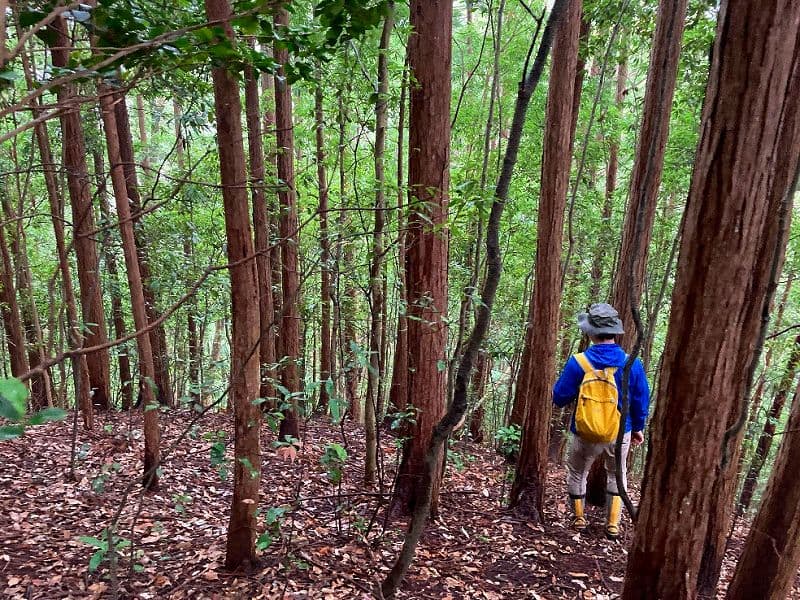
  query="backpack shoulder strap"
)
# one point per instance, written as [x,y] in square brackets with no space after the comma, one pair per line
[584,362]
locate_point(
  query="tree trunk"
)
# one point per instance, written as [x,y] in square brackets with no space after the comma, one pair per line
[770,424]
[240,549]
[152,434]
[376,277]
[290,321]
[398,392]
[483,366]
[733,243]
[74,159]
[768,564]
[117,314]
[427,242]
[326,352]
[158,336]
[527,493]
[603,240]
[56,203]
[261,227]
[649,161]
[15,336]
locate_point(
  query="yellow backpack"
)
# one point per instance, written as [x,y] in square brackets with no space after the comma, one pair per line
[597,416]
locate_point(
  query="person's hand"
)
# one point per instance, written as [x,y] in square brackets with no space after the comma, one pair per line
[637,438]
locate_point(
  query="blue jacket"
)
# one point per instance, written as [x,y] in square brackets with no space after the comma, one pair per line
[601,356]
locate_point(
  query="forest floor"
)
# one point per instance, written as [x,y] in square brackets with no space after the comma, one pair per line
[475,549]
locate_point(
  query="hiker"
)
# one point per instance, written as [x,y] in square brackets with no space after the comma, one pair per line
[594,379]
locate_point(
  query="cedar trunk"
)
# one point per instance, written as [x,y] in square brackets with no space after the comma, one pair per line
[240,548]
[527,493]
[768,564]
[290,315]
[770,424]
[255,146]
[427,240]
[152,435]
[733,242]
[376,277]
[158,336]
[325,353]
[74,159]
[648,164]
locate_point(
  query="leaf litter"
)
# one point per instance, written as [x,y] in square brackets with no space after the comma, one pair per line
[317,540]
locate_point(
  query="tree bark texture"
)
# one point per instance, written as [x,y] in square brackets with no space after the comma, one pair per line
[261,225]
[245,376]
[78,184]
[158,335]
[770,425]
[649,161]
[427,239]
[733,239]
[152,434]
[768,564]
[483,367]
[376,275]
[527,492]
[290,315]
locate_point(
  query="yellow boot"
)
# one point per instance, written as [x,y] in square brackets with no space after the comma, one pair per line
[614,504]
[578,520]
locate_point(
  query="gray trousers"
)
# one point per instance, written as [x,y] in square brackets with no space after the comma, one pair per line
[580,458]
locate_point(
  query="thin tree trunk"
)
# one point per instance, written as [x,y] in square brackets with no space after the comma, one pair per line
[15,336]
[158,337]
[398,392]
[56,203]
[767,566]
[261,227]
[649,161]
[152,434]
[290,315]
[483,367]
[376,280]
[527,492]
[427,243]
[734,237]
[240,548]
[74,159]
[770,424]
[117,314]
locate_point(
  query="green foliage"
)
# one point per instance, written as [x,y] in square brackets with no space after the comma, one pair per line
[508,440]
[14,408]
[334,460]
[103,552]
[273,521]
[106,471]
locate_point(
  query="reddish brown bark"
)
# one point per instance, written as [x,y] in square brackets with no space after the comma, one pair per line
[483,366]
[245,380]
[261,226]
[78,184]
[117,315]
[770,425]
[376,277]
[326,352]
[290,314]
[158,336]
[527,493]
[152,434]
[733,242]
[426,243]
[15,336]
[56,204]
[768,564]
[649,161]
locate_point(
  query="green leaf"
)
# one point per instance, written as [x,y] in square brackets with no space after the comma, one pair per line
[94,542]
[10,432]
[96,559]
[249,466]
[48,415]
[13,399]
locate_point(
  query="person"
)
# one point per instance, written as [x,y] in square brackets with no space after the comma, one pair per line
[602,324]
